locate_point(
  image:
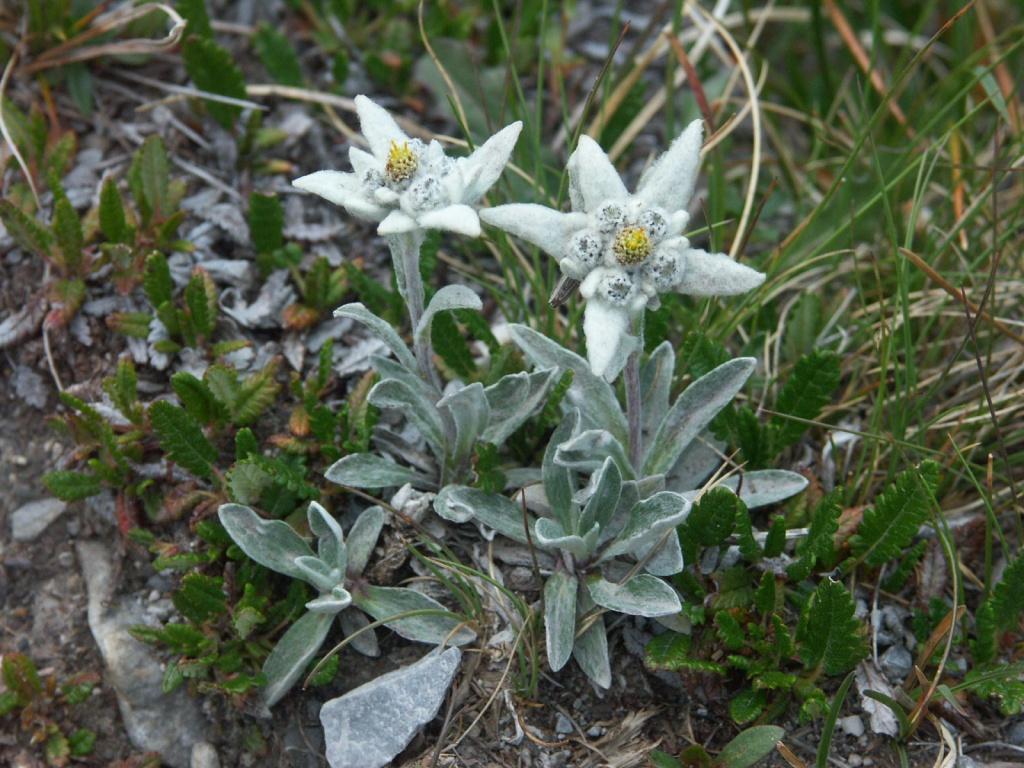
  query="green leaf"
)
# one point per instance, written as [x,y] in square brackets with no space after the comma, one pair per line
[156,280]
[213,69]
[642,595]
[20,677]
[112,219]
[750,746]
[134,324]
[729,630]
[693,411]
[775,541]
[82,742]
[67,230]
[245,444]
[56,748]
[828,635]
[123,390]
[985,645]
[272,543]
[1004,682]
[888,528]
[710,523]
[197,398]
[26,231]
[182,639]
[896,580]
[257,393]
[671,651]
[327,672]
[244,401]
[747,705]
[1008,597]
[266,222]
[806,392]
[72,486]
[292,654]
[194,11]
[661,759]
[200,597]
[383,603]
[765,594]
[201,300]
[150,180]
[182,439]
[451,345]
[277,55]
[560,617]
[818,546]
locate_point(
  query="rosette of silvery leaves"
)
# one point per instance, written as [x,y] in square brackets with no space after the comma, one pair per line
[408,185]
[336,572]
[625,249]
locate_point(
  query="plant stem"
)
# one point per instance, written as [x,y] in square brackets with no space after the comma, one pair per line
[634,405]
[405,255]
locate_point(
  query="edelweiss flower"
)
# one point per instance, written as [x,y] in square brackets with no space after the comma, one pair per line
[626,249]
[407,185]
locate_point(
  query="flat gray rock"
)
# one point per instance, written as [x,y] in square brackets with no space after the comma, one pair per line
[368,727]
[30,520]
[156,722]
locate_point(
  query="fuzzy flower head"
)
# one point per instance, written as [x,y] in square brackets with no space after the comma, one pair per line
[406,184]
[626,249]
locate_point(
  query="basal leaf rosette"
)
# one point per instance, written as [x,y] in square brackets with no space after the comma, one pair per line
[625,249]
[406,184]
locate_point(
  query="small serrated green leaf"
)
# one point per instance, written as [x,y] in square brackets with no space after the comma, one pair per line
[197,398]
[122,388]
[245,444]
[1008,596]
[214,70]
[828,635]
[113,223]
[775,541]
[266,222]
[257,392]
[670,651]
[278,55]
[808,389]
[182,438]
[194,11]
[729,631]
[68,485]
[67,231]
[200,597]
[156,280]
[747,705]
[151,168]
[326,672]
[888,528]
[82,742]
[201,300]
[818,546]
[26,231]
[451,345]
[710,522]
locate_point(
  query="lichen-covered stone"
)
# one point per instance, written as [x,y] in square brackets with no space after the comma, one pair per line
[368,727]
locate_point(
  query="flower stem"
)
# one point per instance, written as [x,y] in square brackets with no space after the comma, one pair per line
[634,404]
[405,255]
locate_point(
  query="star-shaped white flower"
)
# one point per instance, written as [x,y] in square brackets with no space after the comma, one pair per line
[626,249]
[407,185]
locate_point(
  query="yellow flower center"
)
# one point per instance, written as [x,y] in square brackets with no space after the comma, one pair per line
[632,245]
[402,161]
